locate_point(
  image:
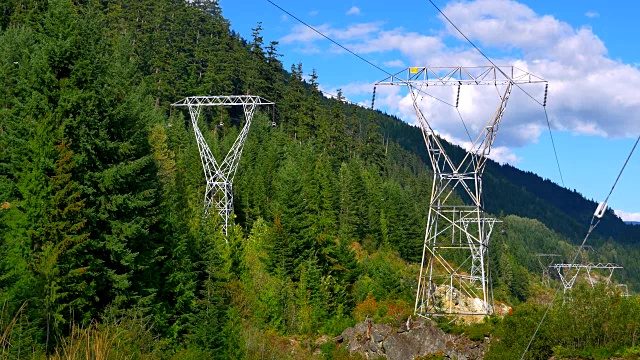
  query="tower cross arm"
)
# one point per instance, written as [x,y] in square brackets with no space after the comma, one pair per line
[223,100]
[587,266]
[461,75]
[219,176]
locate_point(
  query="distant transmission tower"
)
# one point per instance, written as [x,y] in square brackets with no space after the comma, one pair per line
[623,288]
[219,193]
[569,273]
[454,271]
[545,266]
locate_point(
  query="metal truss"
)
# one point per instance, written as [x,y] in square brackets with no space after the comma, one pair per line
[462,75]
[544,266]
[219,176]
[624,289]
[454,258]
[569,273]
[583,251]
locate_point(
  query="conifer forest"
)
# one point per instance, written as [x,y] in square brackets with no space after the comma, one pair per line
[106,252]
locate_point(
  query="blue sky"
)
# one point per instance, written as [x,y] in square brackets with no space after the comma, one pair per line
[585,49]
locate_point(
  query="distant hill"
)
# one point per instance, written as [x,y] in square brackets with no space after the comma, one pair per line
[632,222]
[509,190]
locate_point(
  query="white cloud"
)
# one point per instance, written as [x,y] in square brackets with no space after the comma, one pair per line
[589,92]
[411,44]
[500,154]
[394,64]
[504,155]
[302,34]
[313,13]
[591,14]
[627,216]
[353,11]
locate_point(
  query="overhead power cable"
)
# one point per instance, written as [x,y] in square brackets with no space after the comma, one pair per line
[347,49]
[592,226]
[623,167]
[595,220]
[544,105]
[553,144]
[465,125]
[481,53]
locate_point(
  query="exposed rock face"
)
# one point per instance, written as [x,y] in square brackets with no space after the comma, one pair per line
[411,340]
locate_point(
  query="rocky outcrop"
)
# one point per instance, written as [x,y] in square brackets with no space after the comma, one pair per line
[411,340]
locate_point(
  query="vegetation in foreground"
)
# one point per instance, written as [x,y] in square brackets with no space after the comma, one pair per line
[105,254]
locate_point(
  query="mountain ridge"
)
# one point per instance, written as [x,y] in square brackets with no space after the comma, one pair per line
[524,193]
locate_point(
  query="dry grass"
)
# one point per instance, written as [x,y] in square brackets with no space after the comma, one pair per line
[94,342]
[128,338]
[7,328]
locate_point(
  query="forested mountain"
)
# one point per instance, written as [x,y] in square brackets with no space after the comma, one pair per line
[525,194]
[101,187]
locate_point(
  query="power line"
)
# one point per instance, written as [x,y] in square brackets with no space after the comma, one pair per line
[481,53]
[591,228]
[347,49]
[623,167]
[328,38]
[465,125]
[594,222]
[553,144]
[544,105]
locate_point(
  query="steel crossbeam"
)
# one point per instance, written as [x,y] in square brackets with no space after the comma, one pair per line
[568,276]
[452,226]
[461,75]
[219,176]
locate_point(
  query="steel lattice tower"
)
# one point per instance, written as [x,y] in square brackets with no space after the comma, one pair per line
[545,266]
[219,192]
[569,273]
[454,266]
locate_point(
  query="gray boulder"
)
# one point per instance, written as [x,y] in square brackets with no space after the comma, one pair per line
[410,340]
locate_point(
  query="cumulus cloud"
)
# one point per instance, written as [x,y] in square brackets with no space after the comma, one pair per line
[591,14]
[410,44]
[628,216]
[501,154]
[353,11]
[589,92]
[394,63]
[302,34]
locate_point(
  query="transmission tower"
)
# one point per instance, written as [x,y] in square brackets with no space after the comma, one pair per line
[545,266]
[583,251]
[569,273]
[623,288]
[454,270]
[219,176]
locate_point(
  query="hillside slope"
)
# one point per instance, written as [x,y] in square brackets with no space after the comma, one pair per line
[102,226]
[513,191]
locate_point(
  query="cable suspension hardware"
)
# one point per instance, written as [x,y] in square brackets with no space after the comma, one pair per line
[543,104]
[373,97]
[595,220]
